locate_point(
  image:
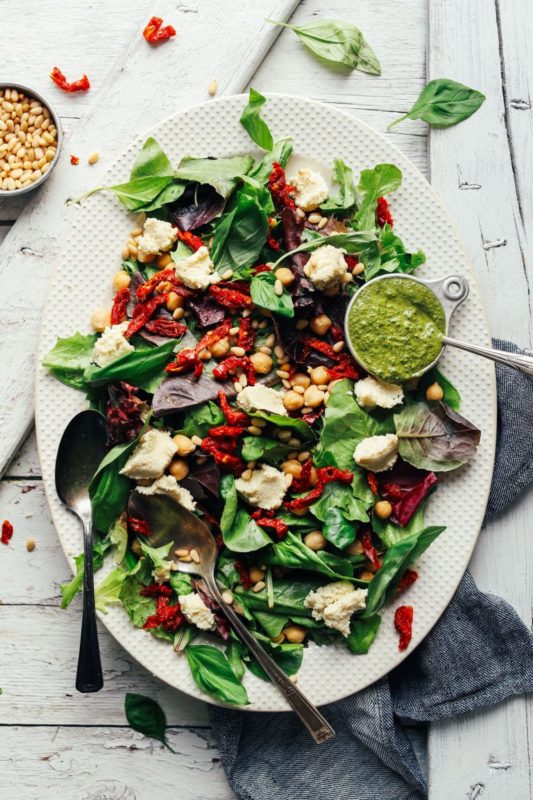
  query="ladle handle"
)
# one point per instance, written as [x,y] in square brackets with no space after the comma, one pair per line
[89,676]
[514,360]
[316,724]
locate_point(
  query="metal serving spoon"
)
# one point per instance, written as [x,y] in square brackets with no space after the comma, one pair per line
[81,449]
[170,522]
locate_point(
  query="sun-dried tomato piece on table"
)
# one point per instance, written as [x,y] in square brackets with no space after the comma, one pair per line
[192,241]
[7,532]
[139,526]
[407,580]
[166,327]
[77,86]
[383,215]
[403,622]
[74,160]
[120,303]
[155,32]
[280,190]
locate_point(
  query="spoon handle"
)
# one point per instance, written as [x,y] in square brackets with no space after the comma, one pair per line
[316,724]
[514,360]
[89,674]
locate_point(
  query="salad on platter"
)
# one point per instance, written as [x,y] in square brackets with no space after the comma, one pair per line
[223,371]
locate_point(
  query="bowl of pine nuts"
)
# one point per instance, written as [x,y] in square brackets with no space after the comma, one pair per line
[30,139]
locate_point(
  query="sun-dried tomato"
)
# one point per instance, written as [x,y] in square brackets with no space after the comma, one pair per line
[7,532]
[344,368]
[244,574]
[392,490]
[246,335]
[407,579]
[371,479]
[232,463]
[280,190]
[277,525]
[302,483]
[147,288]
[304,502]
[352,262]
[230,298]
[273,243]
[186,360]
[261,268]
[226,431]
[166,616]
[383,215]
[330,474]
[74,160]
[139,526]
[123,413]
[166,327]
[77,86]
[403,622]
[231,364]
[143,312]
[155,590]
[325,475]
[336,333]
[192,241]
[320,345]
[215,335]
[154,33]
[368,548]
[233,415]
[120,302]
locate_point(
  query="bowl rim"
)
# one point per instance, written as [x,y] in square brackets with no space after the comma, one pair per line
[57,121]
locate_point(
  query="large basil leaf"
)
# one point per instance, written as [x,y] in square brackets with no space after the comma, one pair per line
[395,561]
[264,296]
[443,103]
[435,437]
[299,427]
[252,122]
[289,597]
[338,42]
[374,183]
[143,367]
[451,395]
[338,509]
[345,424]
[350,242]
[346,197]
[362,634]
[262,448]
[239,531]
[147,717]
[292,553]
[150,161]
[280,154]
[199,420]
[212,672]
[287,656]
[390,533]
[220,173]
[240,235]
[70,589]
[69,358]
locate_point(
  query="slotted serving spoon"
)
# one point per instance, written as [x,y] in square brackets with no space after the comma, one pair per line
[170,522]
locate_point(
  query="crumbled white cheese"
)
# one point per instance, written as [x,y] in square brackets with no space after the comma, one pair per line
[111,345]
[377,453]
[335,603]
[196,612]
[162,573]
[326,267]
[151,458]
[265,489]
[196,271]
[158,237]
[370,393]
[310,188]
[169,486]
[261,398]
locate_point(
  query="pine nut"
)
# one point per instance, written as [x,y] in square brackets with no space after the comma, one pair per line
[247,474]
[259,586]
[270,340]
[300,213]
[237,386]
[323,222]
[301,324]
[227,596]
[212,88]
[314,218]
[93,158]
[227,275]
[287,384]
[181,551]
[264,349]
[234,331]
[195,556]
[278,288]
[238,351]
[196,440]
[254,430]
[338,346]
[259,423]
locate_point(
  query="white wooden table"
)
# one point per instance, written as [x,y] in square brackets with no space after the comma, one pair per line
[56,742]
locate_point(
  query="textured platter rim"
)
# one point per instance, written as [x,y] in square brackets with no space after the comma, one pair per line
[263,696]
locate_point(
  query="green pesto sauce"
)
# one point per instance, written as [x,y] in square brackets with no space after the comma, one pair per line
[396,326]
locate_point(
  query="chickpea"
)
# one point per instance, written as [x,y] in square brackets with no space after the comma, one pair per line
[174,301]
[121,280]
[434,392]
[100,319]
[299,512]
[319,375]
[293,401]
[179,469]
[313,397]
[383,509]
[300,379]
[321,324]
[184,445]
[163,260]
[256,574]
[220,348]
[365,575]
[262,363]
[315,540]
[285,276]
[292,467]
[355,548]
[294,634]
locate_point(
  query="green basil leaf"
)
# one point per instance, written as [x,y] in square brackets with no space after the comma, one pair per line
[451,396]
[340,497]
[299,427]
[289,597]
[280,154]
[262,448]
[70,589]
[169,194]
[240,235]
[443,103]
[362,634]
[350,242]
[212,672]
[69,358]
[252,122]
[199,420]
[234,653]
[263,295]
[239,531]
[292,553]
[388,254]
[338,42]
[287,656]
[220,173]
[390,533]
[435,437]
[143,367]
[346,198]
[374,183]
[337,529]
[181,583]
[151,161]
[147,717]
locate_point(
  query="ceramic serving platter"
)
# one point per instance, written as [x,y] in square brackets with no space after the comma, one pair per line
[82,282]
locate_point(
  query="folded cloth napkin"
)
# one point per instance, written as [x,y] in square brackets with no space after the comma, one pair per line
[478,654]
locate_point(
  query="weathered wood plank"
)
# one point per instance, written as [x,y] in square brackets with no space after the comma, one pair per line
[481,169]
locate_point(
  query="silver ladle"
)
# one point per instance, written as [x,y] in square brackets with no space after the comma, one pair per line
[170,522]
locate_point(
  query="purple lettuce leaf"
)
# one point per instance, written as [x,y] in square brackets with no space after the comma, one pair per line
[197,206]
[183,392]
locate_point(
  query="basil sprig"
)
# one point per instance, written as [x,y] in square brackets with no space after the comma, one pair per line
[443,103]
[338,42]
[252,122]
[147,717]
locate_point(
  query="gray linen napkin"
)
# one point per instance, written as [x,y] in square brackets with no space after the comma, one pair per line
[478,654]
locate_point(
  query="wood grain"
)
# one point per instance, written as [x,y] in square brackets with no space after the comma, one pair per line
[481,169]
